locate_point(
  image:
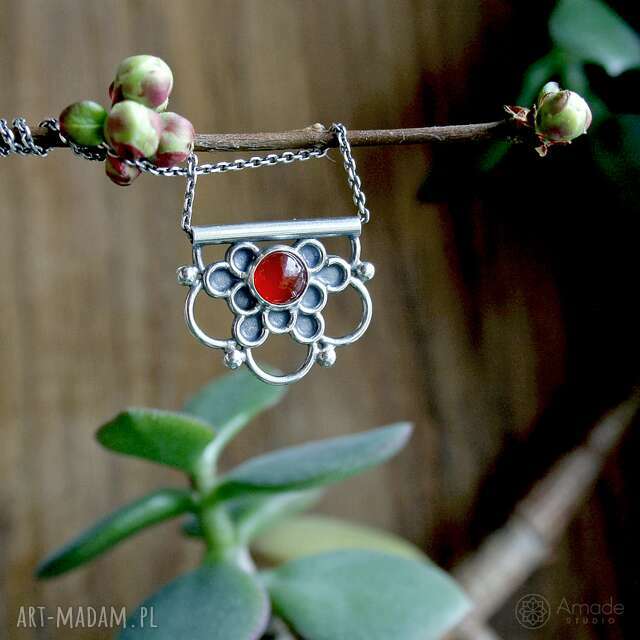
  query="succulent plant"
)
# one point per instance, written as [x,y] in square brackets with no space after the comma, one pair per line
[324,577]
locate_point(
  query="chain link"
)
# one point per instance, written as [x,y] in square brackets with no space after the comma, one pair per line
[353,178]
[240,164]
[24,145]
[96,154]
[189,194]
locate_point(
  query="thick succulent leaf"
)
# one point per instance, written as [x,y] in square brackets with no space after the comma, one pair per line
[215,602]
[365,595]
[173,439]
[592,32]
[153,508]
[233,400]
[308,535]
[315,463]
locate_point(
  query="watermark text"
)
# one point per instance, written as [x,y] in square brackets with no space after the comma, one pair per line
[84,617]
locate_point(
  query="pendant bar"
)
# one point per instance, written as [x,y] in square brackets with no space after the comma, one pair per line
[278,230]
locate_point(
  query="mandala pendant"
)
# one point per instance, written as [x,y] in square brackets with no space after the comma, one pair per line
[279,287]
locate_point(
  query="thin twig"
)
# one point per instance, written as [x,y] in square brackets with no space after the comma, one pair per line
[318,135]
[510,555]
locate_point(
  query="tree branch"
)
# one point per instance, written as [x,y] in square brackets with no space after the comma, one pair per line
[318,135]
[511,554]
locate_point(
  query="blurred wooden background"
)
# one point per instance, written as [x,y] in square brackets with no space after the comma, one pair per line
[485,334]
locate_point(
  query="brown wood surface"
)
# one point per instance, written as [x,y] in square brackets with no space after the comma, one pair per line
[91,317]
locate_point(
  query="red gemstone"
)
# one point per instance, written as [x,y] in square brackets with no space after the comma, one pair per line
[280,277]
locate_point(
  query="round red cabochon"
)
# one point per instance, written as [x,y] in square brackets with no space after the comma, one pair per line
[280,277]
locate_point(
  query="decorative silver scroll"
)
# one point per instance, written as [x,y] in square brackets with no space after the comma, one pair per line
[262,303]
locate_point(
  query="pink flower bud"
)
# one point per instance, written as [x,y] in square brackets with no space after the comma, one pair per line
[176,140]
[120,172]
[133,131]
[83,123]
[145,79]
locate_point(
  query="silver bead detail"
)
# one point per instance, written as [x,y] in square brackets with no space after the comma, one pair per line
[326,357]
[187,275]
[365,271]
[234,358]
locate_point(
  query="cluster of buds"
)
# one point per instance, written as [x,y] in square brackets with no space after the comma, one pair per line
[137,126]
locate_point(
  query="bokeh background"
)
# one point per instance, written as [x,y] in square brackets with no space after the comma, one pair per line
[506,316]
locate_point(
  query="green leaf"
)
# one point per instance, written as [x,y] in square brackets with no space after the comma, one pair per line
[149,510]
[309,535]
[215,602]
[233,400]
[315,463]
[365,595]
[592,32]
[229,403]
[573,76]
[173,439]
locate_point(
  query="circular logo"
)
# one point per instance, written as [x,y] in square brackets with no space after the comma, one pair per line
[533,611]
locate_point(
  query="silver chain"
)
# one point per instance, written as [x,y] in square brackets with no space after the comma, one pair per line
[189,194]
[25,145]
[240,164]
[353,178]
[97,154]
[194,169]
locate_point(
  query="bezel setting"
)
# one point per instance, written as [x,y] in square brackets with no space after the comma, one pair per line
[286,249]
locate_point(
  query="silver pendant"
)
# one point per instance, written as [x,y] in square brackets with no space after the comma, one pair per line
[280,287]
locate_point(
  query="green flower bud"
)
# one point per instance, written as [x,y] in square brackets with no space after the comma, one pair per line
[176,141]
[145,79]
[83,123]
[133,131]
[120,172]
[561,116]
